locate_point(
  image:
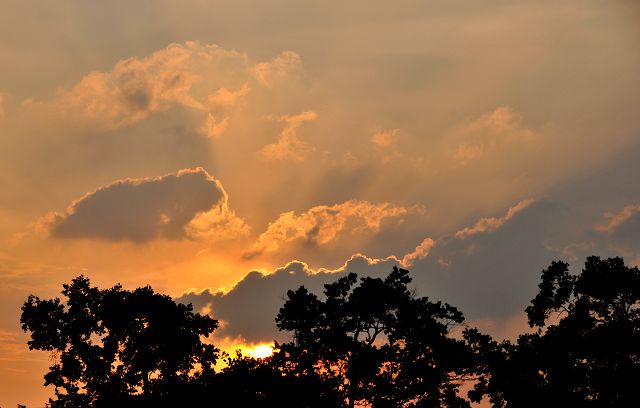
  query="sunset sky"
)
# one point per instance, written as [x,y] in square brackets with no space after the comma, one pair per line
[224,152]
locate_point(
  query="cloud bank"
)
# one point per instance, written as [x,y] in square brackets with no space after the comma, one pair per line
[250,307]
[187,204]
[490,274]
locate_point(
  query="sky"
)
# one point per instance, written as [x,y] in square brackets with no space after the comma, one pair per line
[225,152]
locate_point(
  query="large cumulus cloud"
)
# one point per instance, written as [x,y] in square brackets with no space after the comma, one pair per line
[492,268]
[490,274]
[203,77]
[189,203]
[249,309]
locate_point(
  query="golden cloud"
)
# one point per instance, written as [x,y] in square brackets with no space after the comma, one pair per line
[138,87]
[322,224]
[268,73]
[421,251]
[202,77]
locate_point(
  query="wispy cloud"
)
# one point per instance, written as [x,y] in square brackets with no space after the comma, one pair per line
[491,224]
[617,219]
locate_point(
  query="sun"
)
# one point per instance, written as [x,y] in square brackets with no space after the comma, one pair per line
[259,351]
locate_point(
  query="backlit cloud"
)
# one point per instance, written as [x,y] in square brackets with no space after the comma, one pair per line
[491,224]
[250,307]
[284,111]
[421,251]
[476,273]
[188,204]
[203,77]
[322,224]
[138,87]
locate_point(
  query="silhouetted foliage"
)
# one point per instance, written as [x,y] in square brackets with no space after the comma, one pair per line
[118,347]
[266,382]
[376,343]
[586,352]
[365,341]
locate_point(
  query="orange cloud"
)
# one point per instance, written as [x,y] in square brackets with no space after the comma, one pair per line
[421,251]
[502,119]
[214,127]
[289,144]
[202,77]
[615,220]
[268,73]
[217,224]
[322,224]
[138,87]
[219,105]
[492,223]
[224,98]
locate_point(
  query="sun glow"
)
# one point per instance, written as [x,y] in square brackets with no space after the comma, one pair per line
[259,351]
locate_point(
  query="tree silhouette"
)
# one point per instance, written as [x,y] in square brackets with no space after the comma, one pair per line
[377,343]
[118,347]
[266,382]
[366,341]
[586,352]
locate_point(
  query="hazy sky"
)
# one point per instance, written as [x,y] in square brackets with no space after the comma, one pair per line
[186,144]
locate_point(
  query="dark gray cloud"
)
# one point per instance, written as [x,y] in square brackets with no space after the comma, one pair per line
[494,273]
[490,274]
[141,209]
[250,307]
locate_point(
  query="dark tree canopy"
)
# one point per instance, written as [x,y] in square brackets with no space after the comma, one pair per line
[365,341]
[377,343]
[251,382]
[118,346]
[586,352]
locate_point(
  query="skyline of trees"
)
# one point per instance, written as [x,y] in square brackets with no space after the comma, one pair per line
[363,342]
